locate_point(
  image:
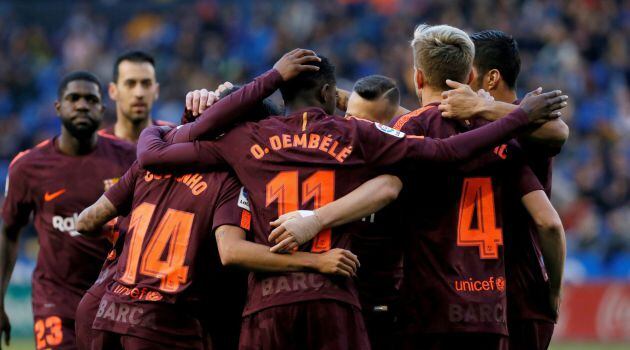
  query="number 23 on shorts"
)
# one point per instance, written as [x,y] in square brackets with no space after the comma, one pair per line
[48,332]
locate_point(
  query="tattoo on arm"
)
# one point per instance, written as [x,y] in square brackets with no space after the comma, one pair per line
[92,218]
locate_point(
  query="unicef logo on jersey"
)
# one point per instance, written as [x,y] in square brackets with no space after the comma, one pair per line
[389,131]
[66,224]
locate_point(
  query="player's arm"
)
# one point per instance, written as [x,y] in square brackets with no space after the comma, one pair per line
[159,155]
[462,102]
[548,224]
[17,208]
[235,250]
[93,218]
[552,240]
[534,107]
[296,228]
[230,109]
[113,203]
[8,256]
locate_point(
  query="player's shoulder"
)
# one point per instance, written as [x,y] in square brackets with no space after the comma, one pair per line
[117,144]
[28,157]
[107,132]
[163,123]
[425,113]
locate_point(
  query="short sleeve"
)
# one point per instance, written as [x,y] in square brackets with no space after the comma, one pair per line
[18,202]
[121,194]
[526,180]
[232,206]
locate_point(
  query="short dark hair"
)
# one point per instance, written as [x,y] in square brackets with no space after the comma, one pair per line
[309,80]
[74,76]
[132,56]
[374,87]
[495,49]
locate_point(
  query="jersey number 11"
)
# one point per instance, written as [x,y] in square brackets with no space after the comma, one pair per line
[320,187]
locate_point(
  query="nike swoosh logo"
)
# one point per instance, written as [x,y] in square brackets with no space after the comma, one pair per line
[50,196]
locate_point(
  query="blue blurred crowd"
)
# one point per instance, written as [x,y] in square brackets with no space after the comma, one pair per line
[579,46]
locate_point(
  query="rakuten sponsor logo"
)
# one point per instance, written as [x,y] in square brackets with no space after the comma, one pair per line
[474,285]
[68,224]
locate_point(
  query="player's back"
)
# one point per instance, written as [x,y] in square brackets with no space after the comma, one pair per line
[454,270]
[56,187]
[302,161]
[169,259]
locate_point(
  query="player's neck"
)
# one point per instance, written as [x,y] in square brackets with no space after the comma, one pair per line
[504,95]
[430,95]
[302,104]
[73,146]
[127,130]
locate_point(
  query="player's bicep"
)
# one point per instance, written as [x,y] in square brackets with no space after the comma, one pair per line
[228,238]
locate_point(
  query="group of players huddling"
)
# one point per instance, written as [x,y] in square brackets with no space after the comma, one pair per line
[252,228]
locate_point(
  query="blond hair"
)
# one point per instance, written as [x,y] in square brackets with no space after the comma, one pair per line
[442,52]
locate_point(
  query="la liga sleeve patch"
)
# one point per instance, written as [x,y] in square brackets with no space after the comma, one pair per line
[390,131]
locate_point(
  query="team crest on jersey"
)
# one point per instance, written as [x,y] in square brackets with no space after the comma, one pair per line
[108,183]
[243,199]
[386,129]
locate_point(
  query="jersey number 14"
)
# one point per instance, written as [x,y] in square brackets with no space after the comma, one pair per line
[169,239]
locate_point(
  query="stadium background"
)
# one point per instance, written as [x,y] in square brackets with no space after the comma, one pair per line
[580,46]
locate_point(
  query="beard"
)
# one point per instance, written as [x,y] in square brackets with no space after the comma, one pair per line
[136,117]
[81,131]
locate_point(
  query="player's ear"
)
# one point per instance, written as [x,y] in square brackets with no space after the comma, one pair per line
[157,90]
[418,78]
[58,107]
[324,93]
[494,77]
[471,77]
[112,90]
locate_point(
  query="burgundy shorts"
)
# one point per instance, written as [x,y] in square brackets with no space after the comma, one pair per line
[483,341]
[530,334]
[54,332]
[86,311]
[104,340]
[321,324]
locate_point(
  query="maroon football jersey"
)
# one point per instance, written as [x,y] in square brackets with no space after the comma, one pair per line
[378,244]
[454,267]
[169,251]
[107,270]
[304,161]
[56,188]
[528,295]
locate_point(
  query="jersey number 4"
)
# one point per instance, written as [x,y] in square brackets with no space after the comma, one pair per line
[169,239]
[477,220]
[320,187]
